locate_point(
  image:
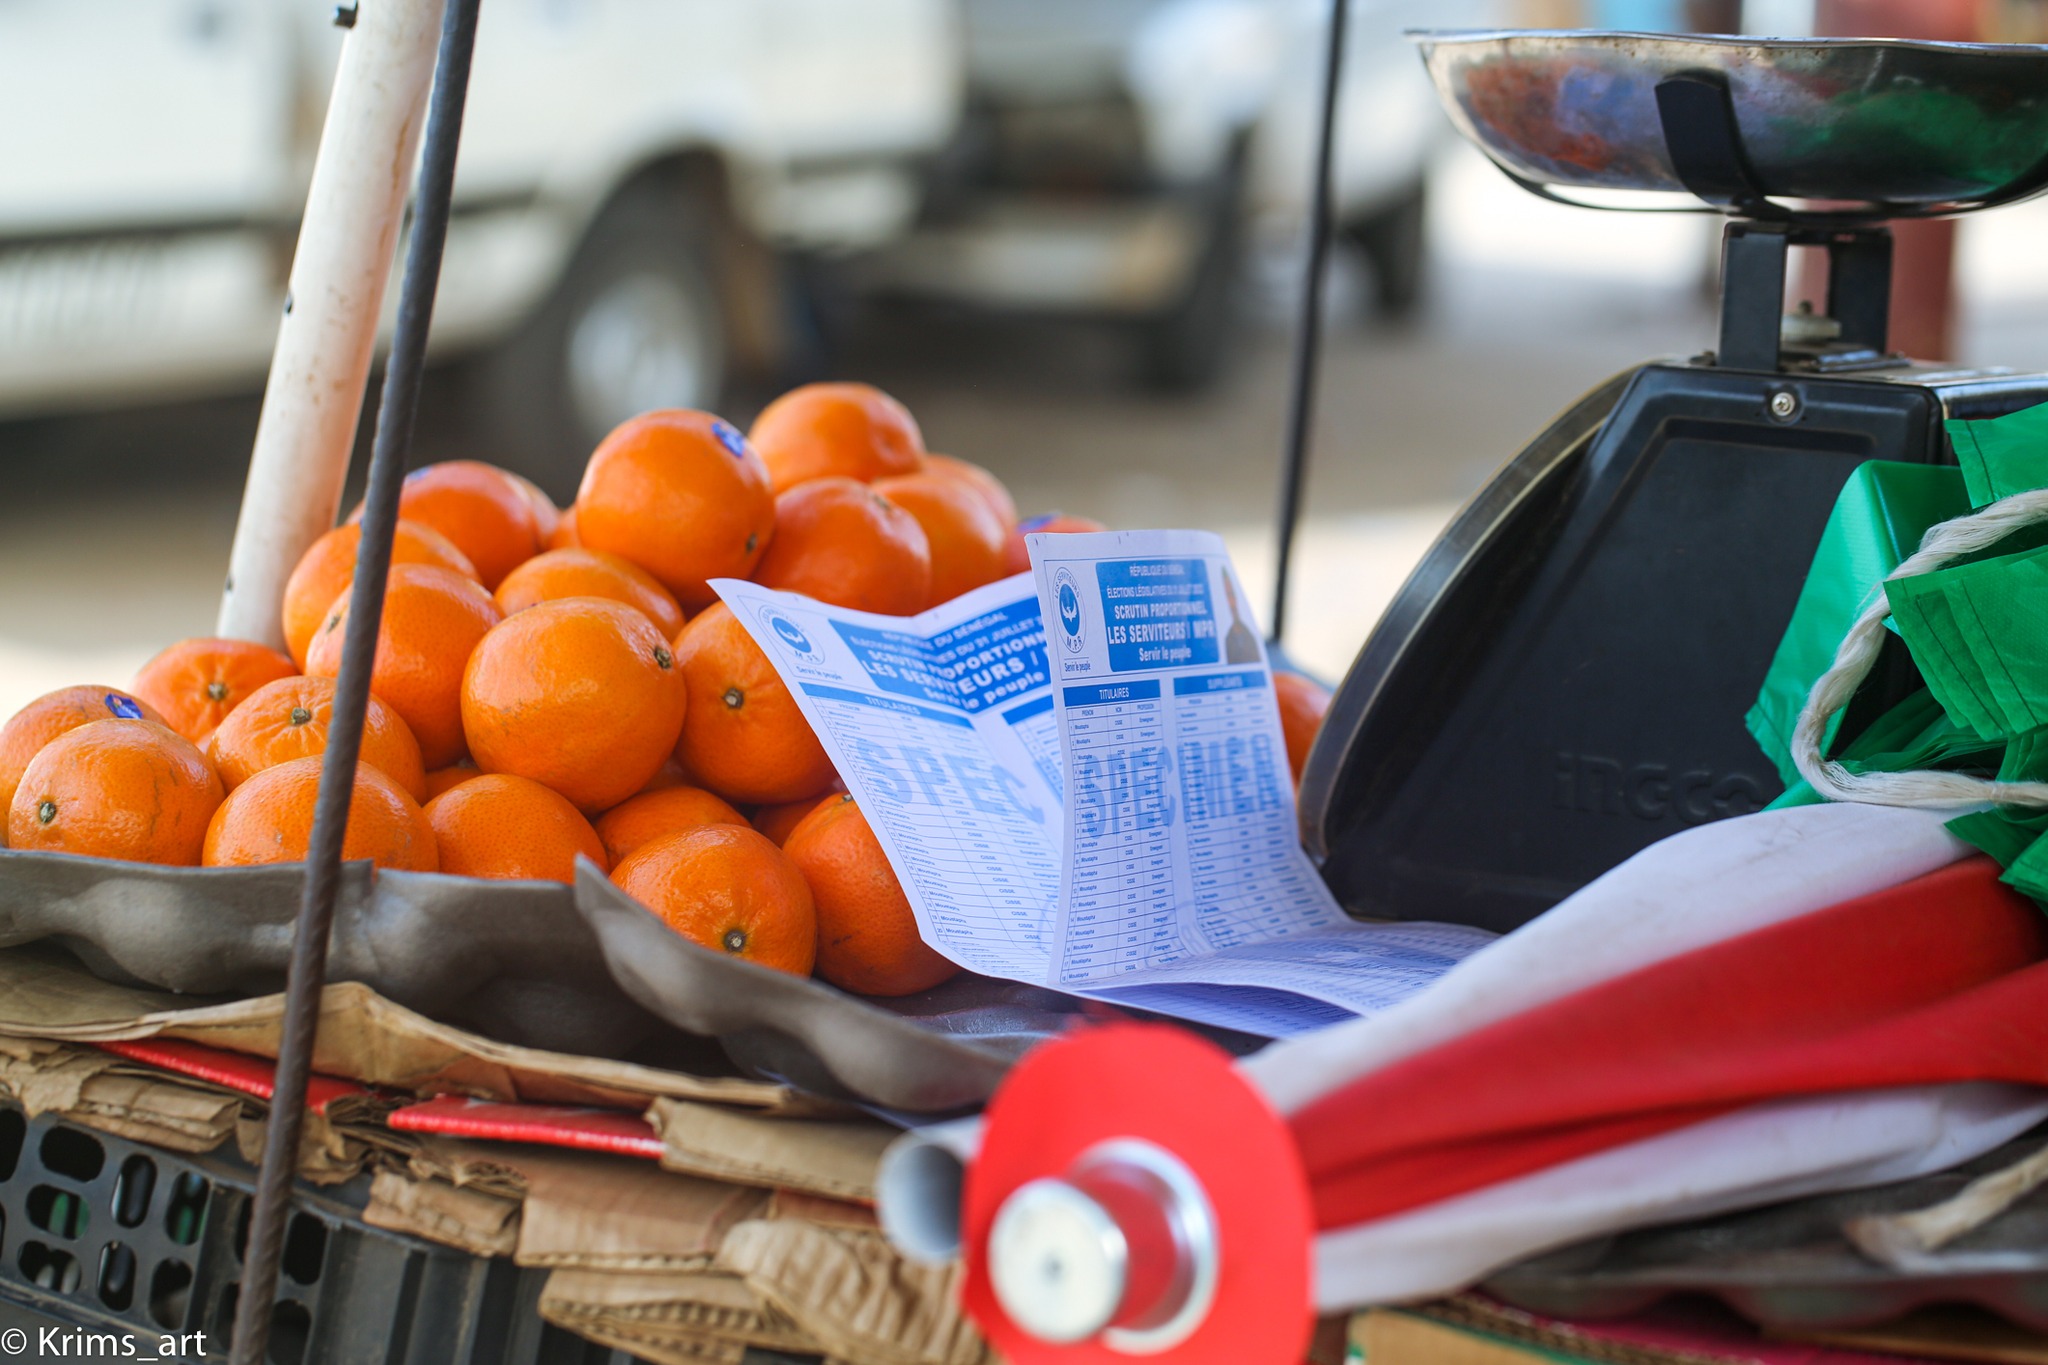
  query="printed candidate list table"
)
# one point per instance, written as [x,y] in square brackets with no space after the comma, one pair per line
[1185,886]
[1121,902]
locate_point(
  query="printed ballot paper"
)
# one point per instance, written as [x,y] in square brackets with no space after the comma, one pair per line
[1080,777]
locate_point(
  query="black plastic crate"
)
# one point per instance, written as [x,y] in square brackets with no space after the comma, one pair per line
[102,1235]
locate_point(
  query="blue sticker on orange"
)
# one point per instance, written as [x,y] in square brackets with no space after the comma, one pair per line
[729,436]
[123,707]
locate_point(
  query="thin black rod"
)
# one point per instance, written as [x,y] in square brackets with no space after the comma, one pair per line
[1308,337]
[388,457]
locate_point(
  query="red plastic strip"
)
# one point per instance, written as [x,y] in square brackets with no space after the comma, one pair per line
[240,1071]
[551,1125]
[1931,981]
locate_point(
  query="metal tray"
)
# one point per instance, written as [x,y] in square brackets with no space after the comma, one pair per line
[939,1051]
[586,971]
[1903,128]
[1788,1267]
[509,959]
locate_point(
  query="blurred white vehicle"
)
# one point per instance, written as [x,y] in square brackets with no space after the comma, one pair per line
[632,174]
[1119,155]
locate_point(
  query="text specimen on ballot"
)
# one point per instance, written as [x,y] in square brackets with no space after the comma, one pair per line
[947,727]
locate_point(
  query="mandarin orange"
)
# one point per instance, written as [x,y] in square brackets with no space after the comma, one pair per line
[743,735]
[290,719]
[682,495]
[851,430]
[129,789]
[1017,559]
[1303,703]
[992,490]
[269,819]
[581,694]
[589,573]
[196,683]
[432,619]
[547,518]
[53,713]
[454,775]
[867,935]
[965,537]
[778,820]
[564,536]
[326,570]
[502,826]
[480,507]
[842,542]
[644,818]
[726,888]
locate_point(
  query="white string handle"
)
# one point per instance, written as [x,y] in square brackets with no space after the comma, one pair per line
[1858,653]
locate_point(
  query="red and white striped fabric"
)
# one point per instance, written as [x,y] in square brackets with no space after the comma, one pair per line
[1795,1001]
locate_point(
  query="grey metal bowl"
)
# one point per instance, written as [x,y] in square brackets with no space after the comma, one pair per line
[1896,128]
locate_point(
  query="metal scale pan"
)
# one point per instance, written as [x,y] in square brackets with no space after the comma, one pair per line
[1886,128]
[1563,679]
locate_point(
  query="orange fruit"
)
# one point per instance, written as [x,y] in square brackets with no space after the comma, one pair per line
[290,718]
[682,495]
[504,826]
[1303,703]
[842,542]
[432,619]
[1016,559]
[728,889]
[129,789]
[778,820]
[867,936]
[480,507]
[196,683]
[743,735]
[852,430]
[269,819]
[582,695]
[49,716]
[650,815]
[589,573]
[564,536]
[965,538]
[547,518]
[981,481]
[669,774]
[454,775]
[329,566]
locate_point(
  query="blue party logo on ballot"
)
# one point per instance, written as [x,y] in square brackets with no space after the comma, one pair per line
[792,636]
[1069,598]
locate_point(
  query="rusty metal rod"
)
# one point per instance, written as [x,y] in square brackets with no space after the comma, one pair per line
[395,411]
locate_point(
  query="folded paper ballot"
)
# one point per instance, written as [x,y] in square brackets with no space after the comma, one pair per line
[1111,816]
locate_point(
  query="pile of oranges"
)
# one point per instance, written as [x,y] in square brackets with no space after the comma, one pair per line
[551,682]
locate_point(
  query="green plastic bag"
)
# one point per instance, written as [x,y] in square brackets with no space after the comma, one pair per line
[1917,733]
[1879,517]
[2002,456]
[1979,634]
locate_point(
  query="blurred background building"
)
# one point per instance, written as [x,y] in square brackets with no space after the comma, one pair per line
[1066,232]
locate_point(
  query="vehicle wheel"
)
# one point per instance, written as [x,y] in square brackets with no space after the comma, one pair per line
[635,323]
[1394,244]
[1184,348]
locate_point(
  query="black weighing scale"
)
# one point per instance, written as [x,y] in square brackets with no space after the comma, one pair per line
[1563,679]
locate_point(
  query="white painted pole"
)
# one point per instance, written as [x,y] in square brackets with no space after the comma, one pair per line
[329,332]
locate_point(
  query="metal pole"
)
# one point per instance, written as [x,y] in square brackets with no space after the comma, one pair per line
[1308,338]
[388,457]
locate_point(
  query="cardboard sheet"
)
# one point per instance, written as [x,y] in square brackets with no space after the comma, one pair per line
[835,1159]
[44,993]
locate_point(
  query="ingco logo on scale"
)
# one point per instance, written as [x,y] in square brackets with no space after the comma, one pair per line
[1651,791]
